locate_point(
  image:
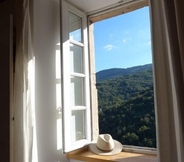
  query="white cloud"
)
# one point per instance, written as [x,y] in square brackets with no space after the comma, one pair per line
[141,31]
[126,32]
[111,35]
[126,39]
[147,44]
[109,47]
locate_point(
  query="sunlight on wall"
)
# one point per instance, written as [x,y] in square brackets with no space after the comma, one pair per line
[31,80]
[58,63]
[58,97]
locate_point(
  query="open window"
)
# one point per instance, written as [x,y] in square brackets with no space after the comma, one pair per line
[79,107]
[75,79]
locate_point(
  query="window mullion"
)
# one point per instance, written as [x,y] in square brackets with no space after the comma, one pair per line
[74,108]
[77,43]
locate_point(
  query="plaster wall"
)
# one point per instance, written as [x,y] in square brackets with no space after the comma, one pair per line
[48,120]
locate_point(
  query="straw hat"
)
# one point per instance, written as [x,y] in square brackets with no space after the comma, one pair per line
[105,145]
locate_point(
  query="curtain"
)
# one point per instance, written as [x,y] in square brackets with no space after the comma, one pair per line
[175,20]
[24,123]
[168,61]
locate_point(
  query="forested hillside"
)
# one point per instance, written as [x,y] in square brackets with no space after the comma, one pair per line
[126,107]
[116,72]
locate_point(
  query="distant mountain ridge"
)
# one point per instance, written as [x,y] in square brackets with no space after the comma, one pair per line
[117,72]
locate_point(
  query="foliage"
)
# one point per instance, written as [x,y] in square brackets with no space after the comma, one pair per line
[126,108]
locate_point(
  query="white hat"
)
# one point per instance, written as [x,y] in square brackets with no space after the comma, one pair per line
[105,145]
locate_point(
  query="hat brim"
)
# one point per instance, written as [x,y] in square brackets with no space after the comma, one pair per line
[117,149]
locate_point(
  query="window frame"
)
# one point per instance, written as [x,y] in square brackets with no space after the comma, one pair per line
[90,19]
[102,15]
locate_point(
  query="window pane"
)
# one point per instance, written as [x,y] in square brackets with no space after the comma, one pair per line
[77,91]
[76,53]
[78,127]
[125,85]
[75,26]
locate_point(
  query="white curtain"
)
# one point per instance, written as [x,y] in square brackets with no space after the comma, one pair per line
[24,123]
[168,59]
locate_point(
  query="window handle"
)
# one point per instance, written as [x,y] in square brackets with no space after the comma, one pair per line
[59,110]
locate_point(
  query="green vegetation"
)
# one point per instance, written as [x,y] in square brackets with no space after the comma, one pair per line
[126,107]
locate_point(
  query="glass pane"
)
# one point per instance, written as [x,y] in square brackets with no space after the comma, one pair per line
[75,27]
[78,127]
[76,54]
[77,91]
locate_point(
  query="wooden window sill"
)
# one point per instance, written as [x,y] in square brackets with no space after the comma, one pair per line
[84,154]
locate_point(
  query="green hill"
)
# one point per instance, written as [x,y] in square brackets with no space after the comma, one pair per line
[116,72]
[126,108]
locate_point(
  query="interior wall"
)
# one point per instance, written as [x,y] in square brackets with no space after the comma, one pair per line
[5,73]
[48,120]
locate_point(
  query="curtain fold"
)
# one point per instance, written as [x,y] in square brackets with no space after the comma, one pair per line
[179,5]
[168,60]
[176,36]
[24,123]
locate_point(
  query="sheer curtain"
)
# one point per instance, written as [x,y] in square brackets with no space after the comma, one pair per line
[24,123]
[168,59]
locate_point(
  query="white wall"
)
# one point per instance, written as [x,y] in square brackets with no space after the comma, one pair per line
[46,36]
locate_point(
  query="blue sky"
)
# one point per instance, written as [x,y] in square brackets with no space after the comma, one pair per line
[123,41]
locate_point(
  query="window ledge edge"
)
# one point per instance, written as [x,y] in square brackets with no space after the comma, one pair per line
[84,154]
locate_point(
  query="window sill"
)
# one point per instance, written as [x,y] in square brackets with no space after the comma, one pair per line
[84,154]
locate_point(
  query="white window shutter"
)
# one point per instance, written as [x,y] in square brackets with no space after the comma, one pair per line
[75,78]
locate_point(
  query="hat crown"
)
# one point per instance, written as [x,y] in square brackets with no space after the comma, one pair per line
[105,142]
